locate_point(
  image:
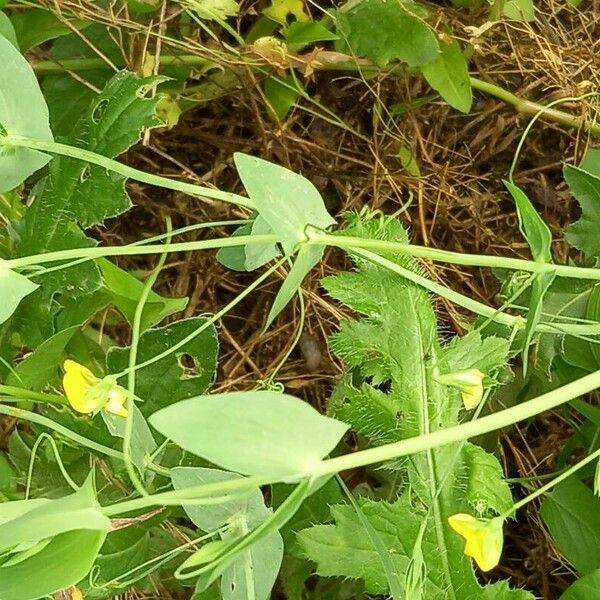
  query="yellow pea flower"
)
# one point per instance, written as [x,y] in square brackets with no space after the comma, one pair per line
[470,384]
[88,394]
[484,538]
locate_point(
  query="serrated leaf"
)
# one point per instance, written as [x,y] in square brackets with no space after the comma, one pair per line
[448,74]
[393,394]
[23,112]
[7,30]
[585,186]
[471,351]
[256,422]
[372,29]
[78,194]
[485,486]
[182,374]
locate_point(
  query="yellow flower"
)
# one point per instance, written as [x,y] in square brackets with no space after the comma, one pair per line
[483,537]
[88,394]
[470,384]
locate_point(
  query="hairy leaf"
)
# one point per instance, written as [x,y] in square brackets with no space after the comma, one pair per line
[449,75]
[393,394]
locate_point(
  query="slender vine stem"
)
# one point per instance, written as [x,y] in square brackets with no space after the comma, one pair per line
[548,486]
[124,170]
[104,251]
[435,439]
[455,258]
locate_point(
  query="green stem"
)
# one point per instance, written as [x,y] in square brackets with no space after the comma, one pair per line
[528,107]
[548,486]
[44,67]
[104,251]
[124,170]
[186,340]
[32,417]
[454,258]
[435,439]
[474,306]
[442,437]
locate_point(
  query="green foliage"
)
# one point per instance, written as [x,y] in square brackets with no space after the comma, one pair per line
[14,287]
[584,184]
[571,514]
[76,194]
[584,588]
[184,373]
[258,566]
[371,29]
[448,74]
[391,395]
[257,422]
[23,112]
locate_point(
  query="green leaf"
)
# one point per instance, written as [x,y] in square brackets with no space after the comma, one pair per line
[307,258]
[213,10]
[486,488]
[585,588]
[585,186]
[372,29]
[125,291]
[571,513]
[77,511]
[66,560]
[287,201]
[448,74]
[234,258]
[533,228]
[36,26]
[241,514]
[391,393]
[344,550]
[519,10]
[257,255]
[7,30]
[37,369]
[212,516]
[78,194]
[471,351]
[308,32]
[142,440]
[23,112]
[282,93]
[14,288]
[256,422]
[188,372]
